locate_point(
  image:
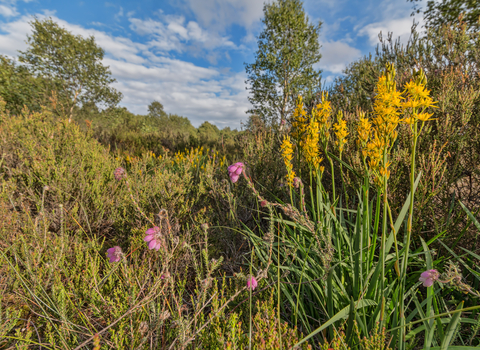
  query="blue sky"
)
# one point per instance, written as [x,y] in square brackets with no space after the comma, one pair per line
[190,54]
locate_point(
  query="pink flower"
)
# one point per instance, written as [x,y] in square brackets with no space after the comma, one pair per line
[119,174]
[283,122]
[235,170]
[114,254]
[153,238]
[428,277]
[251,283]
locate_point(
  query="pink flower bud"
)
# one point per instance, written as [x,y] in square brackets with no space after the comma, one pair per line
[251,283]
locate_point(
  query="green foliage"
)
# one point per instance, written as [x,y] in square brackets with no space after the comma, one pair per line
[155,109]
[448,12]
[71,64]
[287,50]
[208,133]
[19,88]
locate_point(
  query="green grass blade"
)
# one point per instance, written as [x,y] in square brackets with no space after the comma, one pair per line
[342,314]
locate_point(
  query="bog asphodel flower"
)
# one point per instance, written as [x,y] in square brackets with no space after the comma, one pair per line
[287,154]
[311,145]
[364,128]
[387,108]
[418,100]
[340,131]
[299,122]
[322,112]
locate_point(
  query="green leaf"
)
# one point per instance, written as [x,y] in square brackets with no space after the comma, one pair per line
[451,328]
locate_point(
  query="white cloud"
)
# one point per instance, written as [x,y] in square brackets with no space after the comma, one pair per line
[119,14]
[401,28]
[198,93]
[7,10]
[336,55]
[172,33]
[15,37]
[221,14]
[392,16]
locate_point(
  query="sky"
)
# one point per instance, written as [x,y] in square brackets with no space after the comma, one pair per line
[190,54]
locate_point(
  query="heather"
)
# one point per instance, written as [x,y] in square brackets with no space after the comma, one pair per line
[352,223]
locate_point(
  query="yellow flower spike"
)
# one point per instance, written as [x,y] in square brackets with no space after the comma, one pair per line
[311,145]
[290,177]
[340,131]
[299,121]
[363,129]
[287,154]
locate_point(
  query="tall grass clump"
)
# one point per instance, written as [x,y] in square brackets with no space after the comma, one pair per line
[344,266]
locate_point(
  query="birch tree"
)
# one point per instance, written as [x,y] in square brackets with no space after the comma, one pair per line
[288,49]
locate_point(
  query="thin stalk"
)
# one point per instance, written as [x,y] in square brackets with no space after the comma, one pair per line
[343,182]
[251,288]
[311,198]
[382,247]
[278,288]
[333,179]
[409,233]
[320,194]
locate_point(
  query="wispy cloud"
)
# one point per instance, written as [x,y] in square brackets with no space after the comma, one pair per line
[390,17]
[174,33]
[222,14]
[400,28]
[7,10]
[336,55]
[184,88]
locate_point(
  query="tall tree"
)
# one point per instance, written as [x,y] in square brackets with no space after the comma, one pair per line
[72,65]
[155,109]
[288,48]
[439,13]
